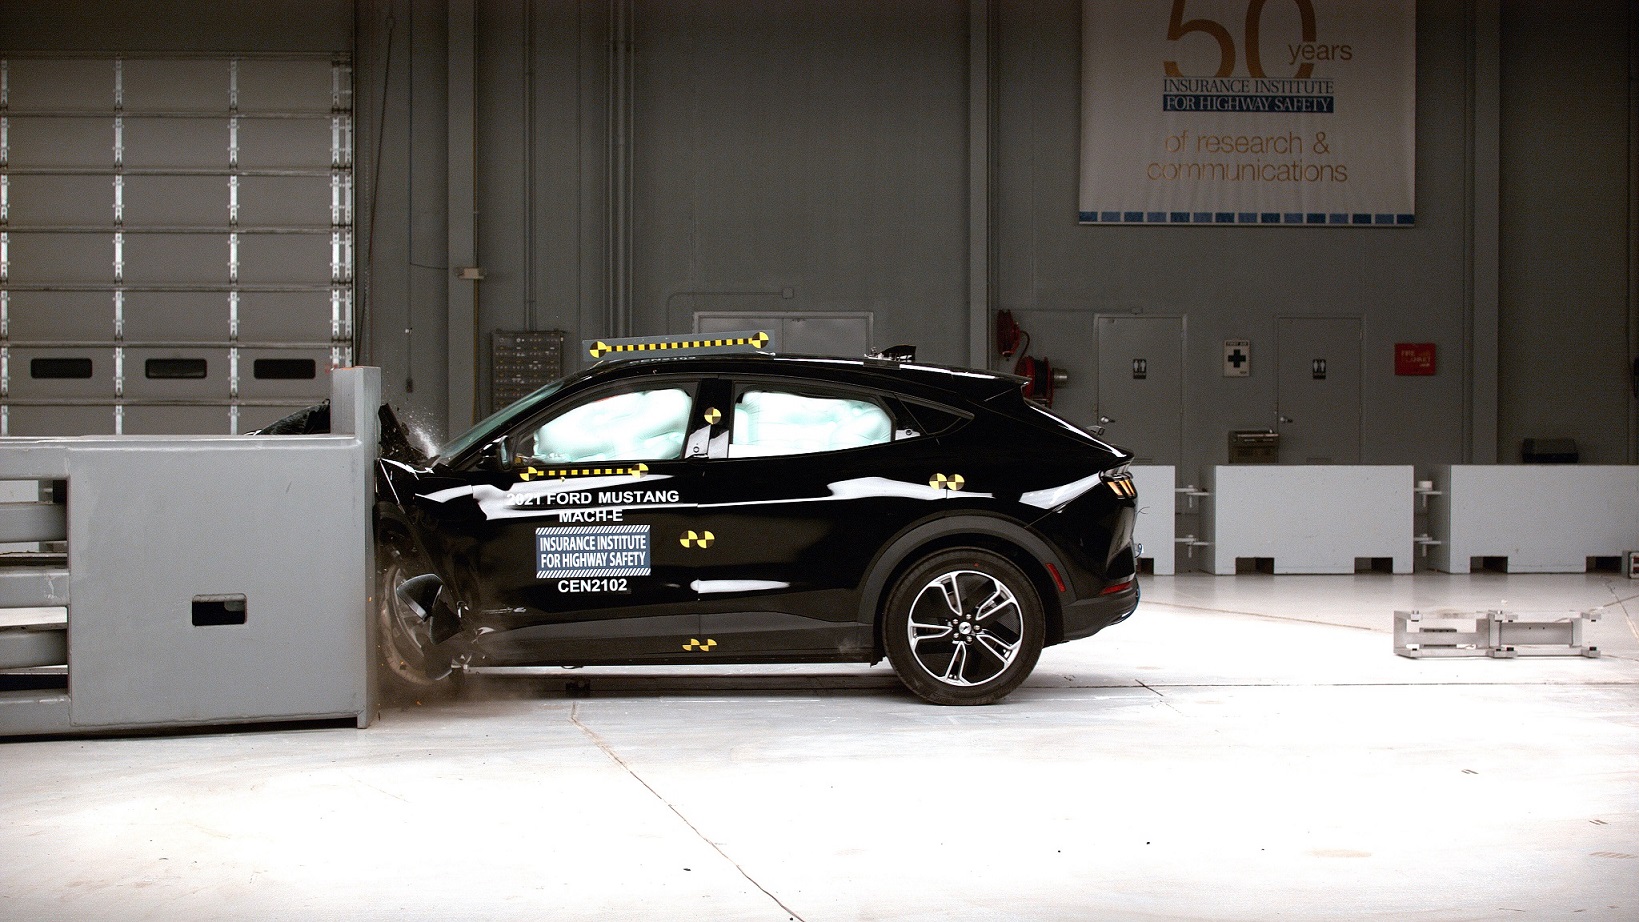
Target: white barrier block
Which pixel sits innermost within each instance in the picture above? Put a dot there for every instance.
(1545, 518)
(1309, 518)
(1157, 507)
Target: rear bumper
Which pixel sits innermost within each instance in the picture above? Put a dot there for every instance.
(1087, 617)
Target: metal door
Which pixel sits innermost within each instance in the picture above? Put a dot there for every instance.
(176, 240)
(798, 528)
(1317, 397)
(1141, 385)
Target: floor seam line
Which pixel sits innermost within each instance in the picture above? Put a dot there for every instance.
(1622, 603)
(574, 718)
(1160, 697)
(1254, 614)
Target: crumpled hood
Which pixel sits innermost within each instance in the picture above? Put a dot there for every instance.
(394, 443)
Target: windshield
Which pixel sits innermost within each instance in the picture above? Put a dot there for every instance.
(490, 423)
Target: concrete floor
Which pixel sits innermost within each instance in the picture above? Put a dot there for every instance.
(1243, 748)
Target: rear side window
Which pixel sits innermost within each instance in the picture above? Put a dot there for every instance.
(769, 421)
(932, 420)
(641, 425)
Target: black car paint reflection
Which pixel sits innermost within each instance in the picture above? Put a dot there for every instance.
(707, 545)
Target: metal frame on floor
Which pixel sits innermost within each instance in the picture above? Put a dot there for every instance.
(1497, 634)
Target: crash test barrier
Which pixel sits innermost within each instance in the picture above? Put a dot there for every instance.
(1293, 518)
(191, 580)
(1533, 518)
(1308, 518)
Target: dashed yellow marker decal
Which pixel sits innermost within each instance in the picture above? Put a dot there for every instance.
(941, 482)
(701, 539)
(600, 348)
(564, 473)
(694, 645)
(713, 415)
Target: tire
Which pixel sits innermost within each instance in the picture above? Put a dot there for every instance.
(409, 668)
(963, 626)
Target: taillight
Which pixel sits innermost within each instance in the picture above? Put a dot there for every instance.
(1114, 588)
(1120, 482)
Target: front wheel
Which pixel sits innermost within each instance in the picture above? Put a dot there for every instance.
(964, 626)
(410, 667)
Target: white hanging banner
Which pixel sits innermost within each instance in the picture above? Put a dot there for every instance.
(1249, 112)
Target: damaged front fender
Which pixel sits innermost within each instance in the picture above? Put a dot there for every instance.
(393, 444)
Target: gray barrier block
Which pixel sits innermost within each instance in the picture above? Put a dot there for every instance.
(210, 579)
(22, 649)
(32, 587)
(29, 522)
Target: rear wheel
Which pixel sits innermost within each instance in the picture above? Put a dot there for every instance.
(410, 667)
(964, 626)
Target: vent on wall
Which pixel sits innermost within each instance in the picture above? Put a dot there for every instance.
(174, 368)
(59, 368)
(285, 369)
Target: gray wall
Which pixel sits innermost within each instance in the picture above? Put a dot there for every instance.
(1567, 313)
(1409, 284)
(400, 101)
(820, 150)
(176, 25)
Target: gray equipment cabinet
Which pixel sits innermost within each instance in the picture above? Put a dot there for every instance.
(208, 580)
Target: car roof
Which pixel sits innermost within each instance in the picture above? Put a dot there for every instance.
(910, 377)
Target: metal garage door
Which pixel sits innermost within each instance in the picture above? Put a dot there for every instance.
(176, 240)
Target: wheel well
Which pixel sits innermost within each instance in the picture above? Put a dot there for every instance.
(391, 531)
(1034, 569)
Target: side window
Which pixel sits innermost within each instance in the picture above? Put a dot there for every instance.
(932, 420)
(774, 422)
(646, 425)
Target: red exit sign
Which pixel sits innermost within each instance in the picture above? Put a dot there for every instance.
(1414, 358)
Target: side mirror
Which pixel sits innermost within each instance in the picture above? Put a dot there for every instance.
(495, 456)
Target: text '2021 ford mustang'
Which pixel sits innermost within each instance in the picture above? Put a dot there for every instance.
(759, 509)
